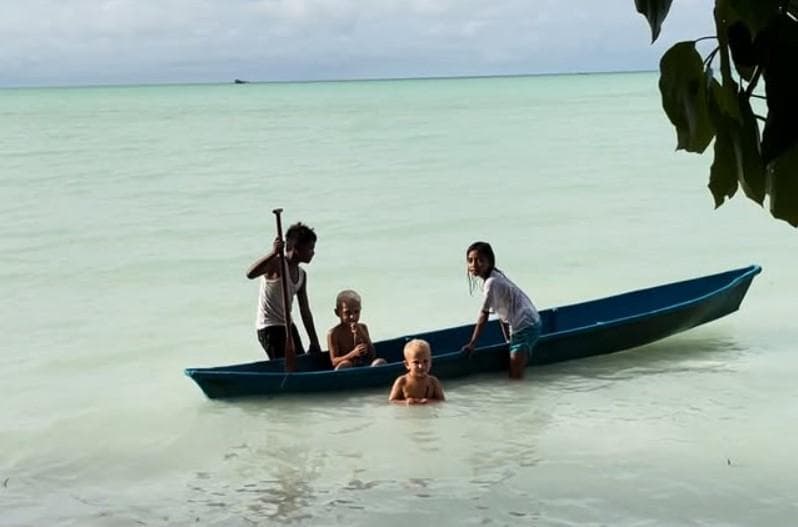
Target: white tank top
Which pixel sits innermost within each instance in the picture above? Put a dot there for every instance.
(270, 300)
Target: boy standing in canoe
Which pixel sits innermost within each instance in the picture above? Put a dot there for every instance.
(300, 245)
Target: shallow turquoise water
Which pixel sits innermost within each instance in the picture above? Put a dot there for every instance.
(128, 217)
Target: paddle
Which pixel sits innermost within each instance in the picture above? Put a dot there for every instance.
(290, 352)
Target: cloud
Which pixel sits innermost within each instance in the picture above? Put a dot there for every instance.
(127, 41)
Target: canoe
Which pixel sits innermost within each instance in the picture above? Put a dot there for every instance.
(595, 327)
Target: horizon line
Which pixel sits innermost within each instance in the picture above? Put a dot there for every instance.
(321, 81)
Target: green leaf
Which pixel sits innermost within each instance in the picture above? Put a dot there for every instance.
(655, 12)
(727, 164)
(741, 45)
(778, 44)
(782, 175)
(737, 157)
(755, 13)
(683, 86)
(752, 178)
(725, 95)
(723, 173)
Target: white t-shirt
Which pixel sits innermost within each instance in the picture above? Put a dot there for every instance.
(270, 300)
(508, 302)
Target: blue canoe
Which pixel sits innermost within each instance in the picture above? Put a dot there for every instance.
(579, 330)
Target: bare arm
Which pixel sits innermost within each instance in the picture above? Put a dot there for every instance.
(336, 357)
(307, 317)
(480, 325)
(332, 347)
(397, 392)
(437, 390)
(268, 264)
(369, 345)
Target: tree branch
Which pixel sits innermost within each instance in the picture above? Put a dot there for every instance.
(754, 80)
(711, 56)
(723, 41)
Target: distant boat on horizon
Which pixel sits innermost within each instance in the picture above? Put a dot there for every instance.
(239, 81)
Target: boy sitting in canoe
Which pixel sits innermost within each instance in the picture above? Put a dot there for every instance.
(349, 342)
(417, 386)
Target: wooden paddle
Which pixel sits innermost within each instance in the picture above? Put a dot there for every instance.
(290, 352)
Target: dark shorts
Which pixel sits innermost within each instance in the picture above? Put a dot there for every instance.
(524, 341)
(272, 338)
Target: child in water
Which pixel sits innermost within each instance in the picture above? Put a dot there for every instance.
(518, 317)
(417, 386)
(349, 342)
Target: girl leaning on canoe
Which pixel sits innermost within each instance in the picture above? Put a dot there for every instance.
(518, 317)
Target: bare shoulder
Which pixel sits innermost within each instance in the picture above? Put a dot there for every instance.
(341, 339)
(335, 331)
(397, 390)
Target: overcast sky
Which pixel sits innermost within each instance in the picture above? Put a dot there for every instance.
(68, 42)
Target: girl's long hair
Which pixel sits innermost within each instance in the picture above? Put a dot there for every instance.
(483, 249)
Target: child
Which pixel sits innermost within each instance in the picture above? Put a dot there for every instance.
(517, 313)
(417, 386)
(349, 342)
(300, 245)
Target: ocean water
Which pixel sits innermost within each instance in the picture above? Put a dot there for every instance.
(129, 215)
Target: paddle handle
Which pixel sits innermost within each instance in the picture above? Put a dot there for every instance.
(290, 352)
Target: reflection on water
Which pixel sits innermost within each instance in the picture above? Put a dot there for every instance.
(280, 491)
(358, 460)
(680, 354)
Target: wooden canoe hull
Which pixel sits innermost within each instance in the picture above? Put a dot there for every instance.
(596, 327)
